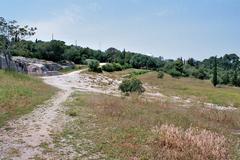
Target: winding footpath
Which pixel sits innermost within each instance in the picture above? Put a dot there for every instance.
(21, 139)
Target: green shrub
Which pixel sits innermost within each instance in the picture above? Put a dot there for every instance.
(111, 67)
(160, 74)
(200, 74)
(134, 74)
(131, 85)
(98, 70)
(174, 73)
(117, 67)
(126, 66)
(93, 65)
(108, 67)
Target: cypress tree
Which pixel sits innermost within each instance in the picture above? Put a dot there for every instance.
(215, 80)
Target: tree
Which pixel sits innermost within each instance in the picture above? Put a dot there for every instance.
(215, 80)
(225, 78)
(235, 79)
(179, 65)
(12, 33)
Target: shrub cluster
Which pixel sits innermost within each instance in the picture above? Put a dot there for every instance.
(111, 67)
(93, 65)
(131, 85)
(160, 75)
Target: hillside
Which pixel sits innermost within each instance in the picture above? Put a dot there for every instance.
(20, 93)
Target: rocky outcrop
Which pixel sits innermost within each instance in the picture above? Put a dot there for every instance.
(33, 66)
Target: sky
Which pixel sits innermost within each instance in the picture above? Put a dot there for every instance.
(167, 28)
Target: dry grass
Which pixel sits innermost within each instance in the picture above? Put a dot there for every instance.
(20, 93)
(122, 128)
(192, 144)
(196, 89)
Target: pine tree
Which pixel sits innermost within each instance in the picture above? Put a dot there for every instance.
(215, 79)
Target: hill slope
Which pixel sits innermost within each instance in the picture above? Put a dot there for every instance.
(19, 94)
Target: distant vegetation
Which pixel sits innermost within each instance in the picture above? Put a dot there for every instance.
(227, 66)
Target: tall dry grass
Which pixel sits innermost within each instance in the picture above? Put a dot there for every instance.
(127, 124)
(174, 143)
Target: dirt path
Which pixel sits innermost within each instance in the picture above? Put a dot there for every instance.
(22, 138)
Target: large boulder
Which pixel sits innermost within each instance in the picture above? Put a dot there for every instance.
(67, 64)
(34, 66)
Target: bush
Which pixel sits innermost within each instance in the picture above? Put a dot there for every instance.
(117, 67)
(174, 73)
(160, 74)
(131, 85)
(98, 70)
(93, 65)
(200, 74)
(126, 66)
(111, 67)
(108, 67)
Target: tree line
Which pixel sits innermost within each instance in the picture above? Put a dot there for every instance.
(222, 70)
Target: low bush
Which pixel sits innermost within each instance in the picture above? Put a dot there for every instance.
(174, 73)
(93, 65)
(117, 67)
(131, 85)
(126, 66)
(160, 74)
(108, 67)
(111, 67)
(200, 74)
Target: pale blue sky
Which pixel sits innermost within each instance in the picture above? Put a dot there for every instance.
(168, 28)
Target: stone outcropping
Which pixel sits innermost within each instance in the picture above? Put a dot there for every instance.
(34, 66)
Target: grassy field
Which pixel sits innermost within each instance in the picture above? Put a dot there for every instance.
(20, 93)
(134, 128)
(201, 90)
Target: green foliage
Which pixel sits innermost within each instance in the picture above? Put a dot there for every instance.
(179, 66)
(131, 85)
(235, 79)
(126, 66)
(111, 67)
(215, 76)
(134, 74)
(160, 74)
(93, 65)
(108, 67)
(225, 78)
(117, 67)
(200, 74)
(174, 73)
